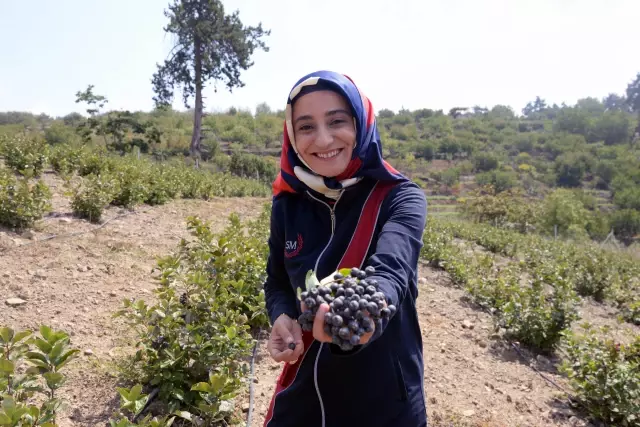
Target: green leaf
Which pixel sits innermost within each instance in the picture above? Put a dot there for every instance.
(6, 334)
(6, 366)
(54, 379)
(216, 382)
(66, 358)
(204, 387)
(20, 336)
(46, 332)
(43, 345)
(55, 352)
(311, 280)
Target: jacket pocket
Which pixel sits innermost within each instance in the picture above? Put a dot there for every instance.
(402, 387)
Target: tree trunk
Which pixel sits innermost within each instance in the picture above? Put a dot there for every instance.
(197, 120)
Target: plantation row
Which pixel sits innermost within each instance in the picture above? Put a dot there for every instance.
(592, 271)
(535, 303)
(97, 180)
(191, 344)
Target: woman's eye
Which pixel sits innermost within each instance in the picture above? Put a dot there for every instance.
(337, 122)
(305, 127)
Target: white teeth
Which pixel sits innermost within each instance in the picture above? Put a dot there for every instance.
(328, 155)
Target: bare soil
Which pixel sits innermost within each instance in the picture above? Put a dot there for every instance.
(77, 282)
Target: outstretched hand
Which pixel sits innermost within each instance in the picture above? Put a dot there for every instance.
(285, 333)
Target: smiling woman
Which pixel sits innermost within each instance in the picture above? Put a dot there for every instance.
(325, 132)
(337, 204)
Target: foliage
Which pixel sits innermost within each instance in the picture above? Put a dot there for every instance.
(66, 159)
(626, 224)
(30, 370)
(535, 314)
(192, 341)
(562, 208)
(133, 401)
(605, 376)
(92, 196)
(26, 156)
(249, 165)
(22, 202)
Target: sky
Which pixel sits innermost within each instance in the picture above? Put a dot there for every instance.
(409, 54)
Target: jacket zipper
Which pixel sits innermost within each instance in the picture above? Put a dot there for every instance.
(315, 269)
(333, 225)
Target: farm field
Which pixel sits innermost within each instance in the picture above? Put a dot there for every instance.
(76, 283)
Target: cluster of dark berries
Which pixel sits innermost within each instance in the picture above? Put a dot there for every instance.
(184, 299)
(356, 305)
(160, 343)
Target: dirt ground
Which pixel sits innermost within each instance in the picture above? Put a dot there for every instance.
(78, 282)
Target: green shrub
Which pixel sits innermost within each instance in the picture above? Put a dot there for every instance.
(164, 184)
(605, 376)
(66, 159)
(537, 316)
(132, 183)
(193, 340)
(27, 156)
(93, 196)
(22, 202)
(45, 355)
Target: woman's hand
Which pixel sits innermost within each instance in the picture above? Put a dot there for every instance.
(318, 325)
(285, 331)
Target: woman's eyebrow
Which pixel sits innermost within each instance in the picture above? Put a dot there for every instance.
(338, 111)
(327, 114)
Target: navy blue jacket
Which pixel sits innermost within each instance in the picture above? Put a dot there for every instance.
(380, 384)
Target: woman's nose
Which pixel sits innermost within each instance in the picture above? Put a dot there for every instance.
(324, 136)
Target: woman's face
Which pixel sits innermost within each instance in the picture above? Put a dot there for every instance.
(324, 131)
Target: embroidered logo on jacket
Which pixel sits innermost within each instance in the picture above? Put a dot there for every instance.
(292, 248)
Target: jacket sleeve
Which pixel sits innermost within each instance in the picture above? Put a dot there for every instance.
(396, 254)
(279, 295)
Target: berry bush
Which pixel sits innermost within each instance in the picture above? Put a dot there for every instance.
(605, 376)
(30, 371)
(22, 201)
(26, 156)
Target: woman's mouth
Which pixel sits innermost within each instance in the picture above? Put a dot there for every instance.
(328, 154)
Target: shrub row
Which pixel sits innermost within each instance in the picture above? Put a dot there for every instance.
(103, 180)
(592, 270)
(536, 304)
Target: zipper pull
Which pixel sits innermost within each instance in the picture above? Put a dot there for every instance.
(333, 221)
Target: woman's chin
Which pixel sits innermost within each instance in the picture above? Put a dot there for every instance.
(328, 171)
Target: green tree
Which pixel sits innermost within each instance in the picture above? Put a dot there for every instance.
(210, 45)
(571, 167)
(633, 98)
(537, 106)
(94, 124)
(484, 162)
(614, 102)
(626, 224)
(573, 120)
(613, 127)
(564, 209)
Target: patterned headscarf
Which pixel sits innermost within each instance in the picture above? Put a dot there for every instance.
(366, 161)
